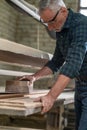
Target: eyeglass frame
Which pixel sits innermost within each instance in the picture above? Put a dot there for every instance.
(52, 20)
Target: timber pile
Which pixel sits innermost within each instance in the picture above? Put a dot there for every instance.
(23, 105)
(19, 106)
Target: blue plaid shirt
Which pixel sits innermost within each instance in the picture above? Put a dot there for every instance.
(70, 56)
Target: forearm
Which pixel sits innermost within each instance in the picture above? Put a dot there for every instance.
(42, 73)
(59, 86)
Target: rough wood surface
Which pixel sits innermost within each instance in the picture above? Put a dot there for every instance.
(16, 128)
(15, 53)
(10, 95)
(14, 47)
(16, 86)
(13, 73)
(20, 59)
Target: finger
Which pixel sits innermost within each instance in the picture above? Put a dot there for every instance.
(44, 110)
(37, 99)
(46, 107)
(30, 82)
(33, 79)
(18, 77)
(21, 78)
(24, 78)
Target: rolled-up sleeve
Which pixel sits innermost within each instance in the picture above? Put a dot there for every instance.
(56, 61)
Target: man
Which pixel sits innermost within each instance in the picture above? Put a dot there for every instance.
(70, 56)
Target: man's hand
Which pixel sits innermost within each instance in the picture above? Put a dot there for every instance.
(29, 78)
(47, 102)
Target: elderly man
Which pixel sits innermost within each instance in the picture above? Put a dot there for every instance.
(70, 56)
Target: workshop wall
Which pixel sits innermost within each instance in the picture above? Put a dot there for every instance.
(72, 4)
(24, 29)
(8, 20)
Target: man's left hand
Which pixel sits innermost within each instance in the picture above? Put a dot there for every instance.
(47, 102)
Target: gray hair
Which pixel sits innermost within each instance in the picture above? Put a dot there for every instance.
(51, 4)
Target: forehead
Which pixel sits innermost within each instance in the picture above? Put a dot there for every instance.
(47, 14)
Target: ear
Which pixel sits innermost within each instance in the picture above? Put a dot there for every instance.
(64, 11)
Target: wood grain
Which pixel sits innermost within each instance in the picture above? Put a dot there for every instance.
(20, 59)
(16, 128)
(16, 86)
(14, 53)
(24, 106)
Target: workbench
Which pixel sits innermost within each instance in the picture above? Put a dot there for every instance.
(25, 106)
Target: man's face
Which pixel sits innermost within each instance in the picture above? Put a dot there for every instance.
(55, 20)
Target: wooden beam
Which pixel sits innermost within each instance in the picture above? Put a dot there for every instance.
(21, 59)
(14, 47)
(16, 86)
(15, 53)
(13, 73)
(16, 128)
(10, 95)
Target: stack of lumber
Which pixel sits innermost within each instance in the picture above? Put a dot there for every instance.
(19, 106)
(24, 105)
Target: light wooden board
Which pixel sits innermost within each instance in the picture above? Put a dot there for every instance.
(17, 54)
(13, 73)
(14, 47)
(16, 128)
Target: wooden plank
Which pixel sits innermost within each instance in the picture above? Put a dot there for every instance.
(13, 73)
(64, 95)
(10, 95)
(16, 86)
(18, 111)
(10, 46)
(15, 128)
(15, 53)
(20, 59)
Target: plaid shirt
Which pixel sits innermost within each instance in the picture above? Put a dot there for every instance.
(70, 56)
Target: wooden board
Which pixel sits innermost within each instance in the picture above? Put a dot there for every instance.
(16, 86)
(18, 54)
(16, 128)
(13, 73)
(4, 95)
(20, 59)
(10, 46)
